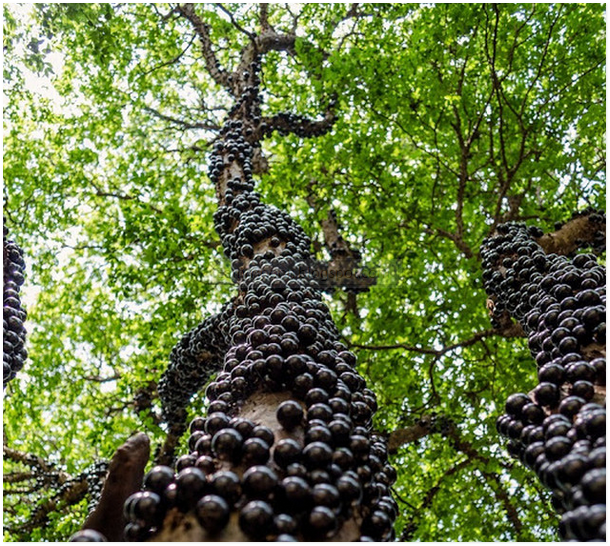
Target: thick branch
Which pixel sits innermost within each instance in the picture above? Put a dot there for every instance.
(34, 461)
(17, 477)
(71, 494)
(194, 359)
(410, 434)
(299, 125)
(125, 476)
(343, 269)
(573, 234)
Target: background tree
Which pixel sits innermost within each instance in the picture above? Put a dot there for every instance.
(450, 120)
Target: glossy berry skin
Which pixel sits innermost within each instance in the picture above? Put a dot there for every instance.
(285, 524)
(289, 414)
(349, 489)
(317, 455)
(256, 519)
(287, 452)
(296, 492)
(594, 485)
(145, 507)
(322, 521)
(560, 303)
(227, 485)
(191, 486)
(158, 478)
(213, 513)
(227, 444)
(255, 452)
(259, 482)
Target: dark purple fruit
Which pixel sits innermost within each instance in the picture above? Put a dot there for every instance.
(256, 519)
(212, 512)
(289, 414)
(259, 482)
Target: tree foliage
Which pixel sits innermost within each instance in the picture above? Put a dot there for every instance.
(451, 118)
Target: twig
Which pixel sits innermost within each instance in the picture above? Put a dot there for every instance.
(439, 352)
(208, 126)
(241, 29)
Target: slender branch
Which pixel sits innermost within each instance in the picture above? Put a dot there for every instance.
(545, 51)
(202, 30)
(241, 29)
(456, 238)
(122, 197)
(414, 518)
(504, 498)
(171, 61)
(100, 379)
(440, 352)
(208, 125)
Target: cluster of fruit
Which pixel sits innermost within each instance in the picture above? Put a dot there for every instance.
(317, 465)
(13, 315)
(559, 429)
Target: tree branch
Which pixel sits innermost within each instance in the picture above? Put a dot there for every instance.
(125, 475)
(263, 16)
(122, 197)
(202, 30)
(573, 234)
(413, 520)
(410, 434)
(72, 493)
(208, 125)
(241, 29)
(440, 352)
(297, 125)
(504, 498)
(456, 238)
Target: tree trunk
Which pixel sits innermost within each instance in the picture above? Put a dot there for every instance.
(287, 451)
(559, 429)
(14, 353)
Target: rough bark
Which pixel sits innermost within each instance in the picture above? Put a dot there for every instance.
(124, 478)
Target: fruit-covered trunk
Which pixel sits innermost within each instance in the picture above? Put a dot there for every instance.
(286, 451)
(559, 428)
